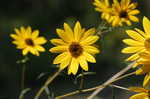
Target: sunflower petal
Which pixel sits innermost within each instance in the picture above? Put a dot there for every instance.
(40, 40)
(137, 89)
(25, 51)
(140, 96)
(64, 35)
(146, 24)
(60, 58)
(57, 42)
(135, 35)
(132, 49)
(132, 42)
(134, 12)
(33, 51)
(66, 61)
(91, 49)
(58, 49)
(77, 31)
(133, 18)
(133, 57)
(28, 30)
(89, 40)
(40, 48)
(140, 32)
(146, 81)
(17, 31)
(83, 63)
(144, 69)
(68, 31)
(89, 57)
(88, 33)
(14, 36)
(73, 68)
(35, 34)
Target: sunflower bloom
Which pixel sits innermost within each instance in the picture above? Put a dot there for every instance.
(123, 12)
(144, 61)
(103, 6)
(142, 93)
(28, 41)
(139, 42)
(75, 47)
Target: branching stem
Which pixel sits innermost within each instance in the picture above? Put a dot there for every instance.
(49, 80)
(102, 86)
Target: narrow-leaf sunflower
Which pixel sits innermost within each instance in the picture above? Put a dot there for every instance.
(103, 6)
(139, 41)
(144, 63)
(28, 41)
(75, 47)
(123, 12)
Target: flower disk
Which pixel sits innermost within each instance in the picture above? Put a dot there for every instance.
(75, 47)
(28, 41)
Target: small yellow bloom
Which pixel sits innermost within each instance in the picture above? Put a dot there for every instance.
(142, 93)
(123, 12)
(139, 42)
(28, 41)
(103, 6)
(144, 60)
(76, 47)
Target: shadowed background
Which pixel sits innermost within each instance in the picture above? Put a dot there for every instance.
(47, 15)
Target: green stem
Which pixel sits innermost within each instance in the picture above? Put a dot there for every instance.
(82, 81)
(23, 77)
(94, 88)
(49, 80)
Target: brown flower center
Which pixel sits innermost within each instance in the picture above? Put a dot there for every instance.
(75, 49)
(29, 42)
(123, 14)
(147, 43)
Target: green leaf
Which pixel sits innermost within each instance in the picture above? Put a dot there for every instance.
(22, 61)
(23, 92)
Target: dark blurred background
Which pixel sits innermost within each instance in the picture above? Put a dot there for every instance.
(47, 15)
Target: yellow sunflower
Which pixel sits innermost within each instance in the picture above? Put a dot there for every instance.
(28, 41)
(144, 61)
(76, 47)
(123, 12)
(139, 42)
(103, 6)
(142, 93)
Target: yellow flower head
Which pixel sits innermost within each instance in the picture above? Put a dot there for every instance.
(123, 12)
(144, 60)
(139, 42)
(76, 47)
(28, 41)
(142, 93)
(103, 7)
